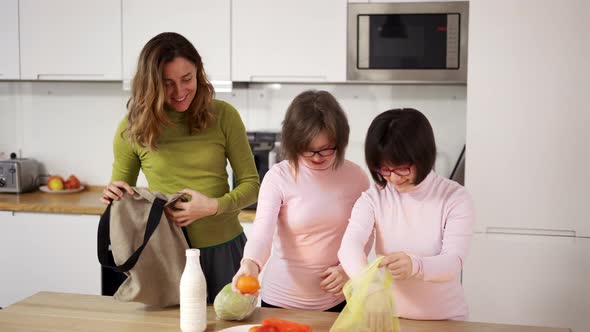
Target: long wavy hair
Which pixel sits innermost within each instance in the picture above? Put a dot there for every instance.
(147, 116)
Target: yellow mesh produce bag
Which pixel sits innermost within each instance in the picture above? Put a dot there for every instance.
(369, 303)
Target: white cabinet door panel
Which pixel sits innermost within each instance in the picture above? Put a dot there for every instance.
(529, 280)
(47, 252)
(70, 40)
(9, 62)
(206, 23)
(527, 136)
(289, 41)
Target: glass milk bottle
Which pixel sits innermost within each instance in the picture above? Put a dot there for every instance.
(193, 295)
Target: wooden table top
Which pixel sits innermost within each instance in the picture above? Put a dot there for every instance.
(85, 202)
(47, 311)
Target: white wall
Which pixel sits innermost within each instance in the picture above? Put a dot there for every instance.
(9, 134)
(69, 126)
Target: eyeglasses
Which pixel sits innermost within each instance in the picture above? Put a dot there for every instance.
(323, 153)
(401, 171)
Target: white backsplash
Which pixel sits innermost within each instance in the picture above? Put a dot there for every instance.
(69, 126)
(9, 137)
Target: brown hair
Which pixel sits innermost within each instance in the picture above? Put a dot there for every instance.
(310, 113)
(147, 116)
(400, 137)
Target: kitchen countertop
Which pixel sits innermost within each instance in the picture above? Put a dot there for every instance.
(84, 202)
(46, 311)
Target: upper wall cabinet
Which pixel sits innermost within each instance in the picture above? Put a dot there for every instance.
(70, 40)
(9, 61)
(206, 23)
(289, 41)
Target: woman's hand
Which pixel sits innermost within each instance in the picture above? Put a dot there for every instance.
(334, 279)
(399, 264)
(248, 268)
(114, 191)
(185, 213)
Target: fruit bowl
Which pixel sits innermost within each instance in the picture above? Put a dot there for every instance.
(57, 185)
(45, 189)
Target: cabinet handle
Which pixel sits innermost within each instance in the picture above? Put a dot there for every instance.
(67, 76)
(531, 231)
(289, 78)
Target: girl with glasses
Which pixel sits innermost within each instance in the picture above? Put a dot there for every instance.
(422, 222)
(303, 209)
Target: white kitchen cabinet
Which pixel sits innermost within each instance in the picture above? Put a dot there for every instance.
(206, 23)
(527, 136)
(529, 280)
(289, 41)
(526, 166)
(9, 62)
(70, 40)
(47, 252)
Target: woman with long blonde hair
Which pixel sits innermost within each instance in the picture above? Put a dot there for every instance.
(181, 138)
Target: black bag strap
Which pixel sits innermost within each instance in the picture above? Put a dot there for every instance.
(105, 256)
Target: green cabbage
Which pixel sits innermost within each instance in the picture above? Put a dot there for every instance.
(232, 306)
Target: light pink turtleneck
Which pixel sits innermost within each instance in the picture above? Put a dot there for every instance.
(433, 224)
(303, 219)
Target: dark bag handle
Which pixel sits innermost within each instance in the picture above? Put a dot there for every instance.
(105, 256)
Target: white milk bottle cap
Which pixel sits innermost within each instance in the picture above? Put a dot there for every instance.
(193, 252)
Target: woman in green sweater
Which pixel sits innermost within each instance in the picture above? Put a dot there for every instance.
(181, 138)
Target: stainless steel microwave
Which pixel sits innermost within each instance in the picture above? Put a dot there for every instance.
(408, 42)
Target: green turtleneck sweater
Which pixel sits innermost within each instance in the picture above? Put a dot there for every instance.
(196, 162)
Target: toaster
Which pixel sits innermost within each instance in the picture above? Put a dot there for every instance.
(18, 175)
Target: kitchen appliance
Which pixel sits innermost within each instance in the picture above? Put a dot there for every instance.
(458, 173)
(265, 146)
(410, 42)
(18, 175)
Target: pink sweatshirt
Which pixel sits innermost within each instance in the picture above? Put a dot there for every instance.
(433, 224)
(303, 220)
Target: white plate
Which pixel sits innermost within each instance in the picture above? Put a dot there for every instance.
(241, 328)
(45, 189)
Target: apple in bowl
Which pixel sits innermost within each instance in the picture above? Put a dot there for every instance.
(72, 182)
(55, 182)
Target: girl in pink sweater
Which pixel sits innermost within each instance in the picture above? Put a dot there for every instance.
(303, 209)
(422, 222)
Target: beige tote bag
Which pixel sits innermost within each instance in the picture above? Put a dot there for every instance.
(145, 246)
